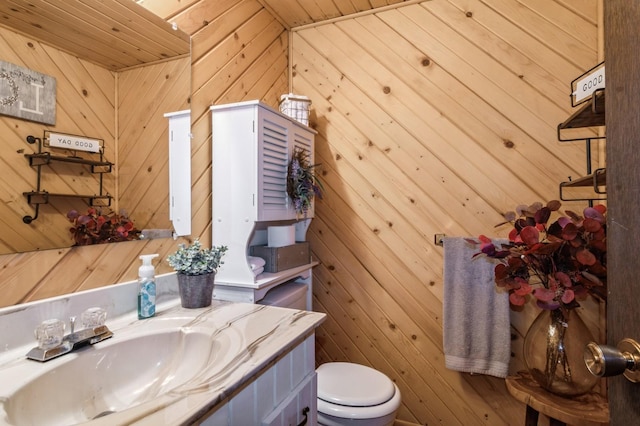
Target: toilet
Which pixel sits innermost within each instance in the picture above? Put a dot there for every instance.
(355, 395)
(348, 394)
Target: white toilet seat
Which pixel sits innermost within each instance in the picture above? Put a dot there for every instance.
(354, 391)
(370, 412)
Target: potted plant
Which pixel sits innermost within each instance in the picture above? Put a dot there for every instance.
(94, 227)
(196, 268)
(557, 265)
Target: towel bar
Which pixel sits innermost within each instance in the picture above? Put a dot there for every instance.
(438, 239)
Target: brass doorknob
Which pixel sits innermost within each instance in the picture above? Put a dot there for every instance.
(606, 361)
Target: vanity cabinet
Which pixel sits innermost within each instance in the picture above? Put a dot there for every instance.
(252, 147)
(281, 395)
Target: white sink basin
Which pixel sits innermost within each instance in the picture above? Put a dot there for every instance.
(114, 375)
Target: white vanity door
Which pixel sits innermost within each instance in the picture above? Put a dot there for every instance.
(301, 404)
(281, 395)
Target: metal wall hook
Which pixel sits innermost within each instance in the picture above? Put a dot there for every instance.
(28, 219)
(607, 361)
(32, 139)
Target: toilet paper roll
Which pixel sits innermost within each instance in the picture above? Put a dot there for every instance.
(280, 236)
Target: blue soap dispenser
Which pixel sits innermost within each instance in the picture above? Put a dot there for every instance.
(146, 287)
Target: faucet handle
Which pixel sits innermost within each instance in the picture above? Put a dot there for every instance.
(49, 333)
(93, 317)
(72, 324)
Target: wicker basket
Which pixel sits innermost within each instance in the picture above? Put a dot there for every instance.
(296, 107)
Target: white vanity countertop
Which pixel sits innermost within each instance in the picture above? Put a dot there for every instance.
(249, 338)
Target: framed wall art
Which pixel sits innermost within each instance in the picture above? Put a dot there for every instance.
(27, 94)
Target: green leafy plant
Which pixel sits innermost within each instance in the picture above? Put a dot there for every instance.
(559, 263)
(94, 227)
(195, 260)
(302, 183)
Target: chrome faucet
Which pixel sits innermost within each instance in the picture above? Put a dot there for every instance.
(71, 342)
(72, 324)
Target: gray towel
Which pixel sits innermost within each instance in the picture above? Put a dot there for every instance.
(476, 314)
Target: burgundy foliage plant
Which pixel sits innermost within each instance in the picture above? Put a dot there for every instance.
(94, 227)
(557, 263)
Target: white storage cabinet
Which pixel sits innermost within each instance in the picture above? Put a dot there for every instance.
(180, 171)
(252, 147)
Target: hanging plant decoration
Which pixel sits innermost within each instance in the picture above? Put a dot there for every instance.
(302, 183)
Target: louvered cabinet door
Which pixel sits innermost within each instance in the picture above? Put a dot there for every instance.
(278, 138)
(274, 134)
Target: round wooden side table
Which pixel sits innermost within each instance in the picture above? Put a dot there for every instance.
(588, 409)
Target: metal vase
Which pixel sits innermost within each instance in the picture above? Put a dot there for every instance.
(195, 290)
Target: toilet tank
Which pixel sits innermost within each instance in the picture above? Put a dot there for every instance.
(289, 295)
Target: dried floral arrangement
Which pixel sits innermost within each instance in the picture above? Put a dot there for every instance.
(302, 183)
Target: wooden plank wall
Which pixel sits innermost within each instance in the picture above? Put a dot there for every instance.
(145, 95)
(85, 106)
(432, 118)
(239, 53)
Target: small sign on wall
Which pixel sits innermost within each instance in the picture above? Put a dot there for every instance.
(79, 143)
(27, 94)
(584, 86)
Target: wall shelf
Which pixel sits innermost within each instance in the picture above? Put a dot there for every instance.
(591, 114)
(42, 197)
(45, 158)
(254, 292)
(597, 180)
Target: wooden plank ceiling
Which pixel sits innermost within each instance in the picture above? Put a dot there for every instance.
(118, 42)
(114, 35)
(295, 13)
